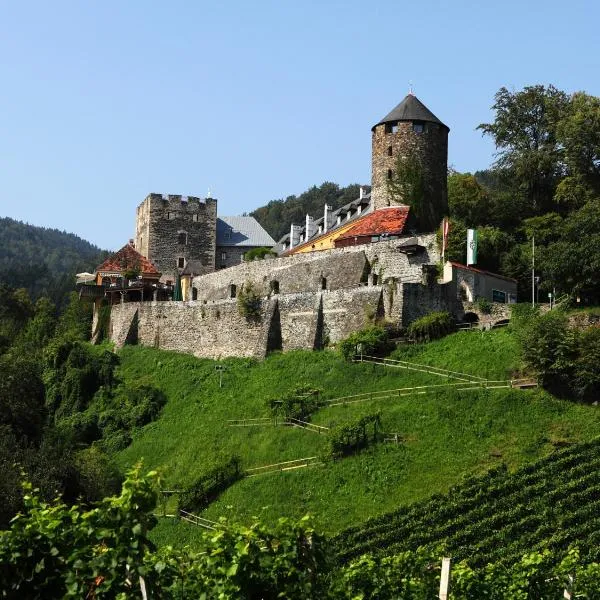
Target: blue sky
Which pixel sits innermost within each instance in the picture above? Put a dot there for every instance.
(105, 102)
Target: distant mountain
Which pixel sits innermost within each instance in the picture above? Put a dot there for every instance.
(42, 260)
(277, 216)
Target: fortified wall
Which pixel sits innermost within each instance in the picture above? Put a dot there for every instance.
(307, 301)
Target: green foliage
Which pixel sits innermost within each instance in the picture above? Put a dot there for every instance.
(101, 332)
(43, 260)
(208, 487)
(525, 133)
(370, 341)
(73, 373)
(277, 215)
(22, 406)
(75, 322)
(468, 201)
(53, 551)
(299, 403)
(497, 517)
(447, 435)
(484, 305)
(258, 253)
(350, 437)
(409, 185)
(249, 301)
(433, 326)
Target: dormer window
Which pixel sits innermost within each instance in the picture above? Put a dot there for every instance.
(418, 126)
(339, 219)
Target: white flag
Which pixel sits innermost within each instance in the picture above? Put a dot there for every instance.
(471, 246)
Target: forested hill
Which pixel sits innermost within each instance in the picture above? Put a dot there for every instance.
(42, 260)
(277, 216)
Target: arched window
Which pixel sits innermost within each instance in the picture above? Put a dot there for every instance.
(232, 290)
(275, 287)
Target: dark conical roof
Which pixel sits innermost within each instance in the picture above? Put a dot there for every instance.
(411, 109)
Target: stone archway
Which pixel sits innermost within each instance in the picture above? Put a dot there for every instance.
(465, 293)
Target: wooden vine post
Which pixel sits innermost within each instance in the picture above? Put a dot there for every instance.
(445, 579)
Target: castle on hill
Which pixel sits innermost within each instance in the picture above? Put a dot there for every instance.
(375, 258)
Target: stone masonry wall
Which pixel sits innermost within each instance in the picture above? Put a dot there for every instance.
(431, 146)
(159, 223)
(338, 268)
(308, 320)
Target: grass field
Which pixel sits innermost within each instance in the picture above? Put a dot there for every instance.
(447, 434)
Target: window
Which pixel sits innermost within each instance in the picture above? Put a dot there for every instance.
(223, 256)
(182, 238)
(194, 293)
(391, 127)
(323, 283)
(195, 217)
(275, 287)
(171, 215)
(498, 296)
(389, 174)
(232, 290)
(418, 126)
(389, 151)
(180, 262)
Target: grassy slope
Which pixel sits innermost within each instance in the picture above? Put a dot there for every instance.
(449, 435)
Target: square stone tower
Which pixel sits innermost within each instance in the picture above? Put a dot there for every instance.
(172, 230)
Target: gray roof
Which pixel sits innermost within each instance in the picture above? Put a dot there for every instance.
(410, 109)
(242, 231)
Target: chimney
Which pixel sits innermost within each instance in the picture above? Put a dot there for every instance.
(295, 231)
(131, 243)
(361, 193)
(327, 218)
(310, 228)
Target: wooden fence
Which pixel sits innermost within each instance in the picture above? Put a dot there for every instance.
(288, 465)
(410, 366)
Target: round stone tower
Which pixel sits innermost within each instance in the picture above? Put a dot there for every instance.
(411, 128)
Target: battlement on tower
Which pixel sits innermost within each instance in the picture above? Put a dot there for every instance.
(172, 229)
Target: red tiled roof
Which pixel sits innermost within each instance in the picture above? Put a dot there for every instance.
(128, 257)
(470, 268)
(389, 220)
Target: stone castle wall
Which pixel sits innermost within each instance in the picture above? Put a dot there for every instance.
(160, 221)
(308, 320)
(320, 299)
(335, 269)
(432, 148)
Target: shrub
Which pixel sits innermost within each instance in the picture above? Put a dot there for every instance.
(300, 403)
(431, 327)
(258, 253)
(522, 314)
(374, 341)
(208, 487)
(350, 437)
(484, 305)
(248, 301)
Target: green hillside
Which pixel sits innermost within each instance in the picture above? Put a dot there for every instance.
(43, 260)
(552, 503)
(447, 434)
